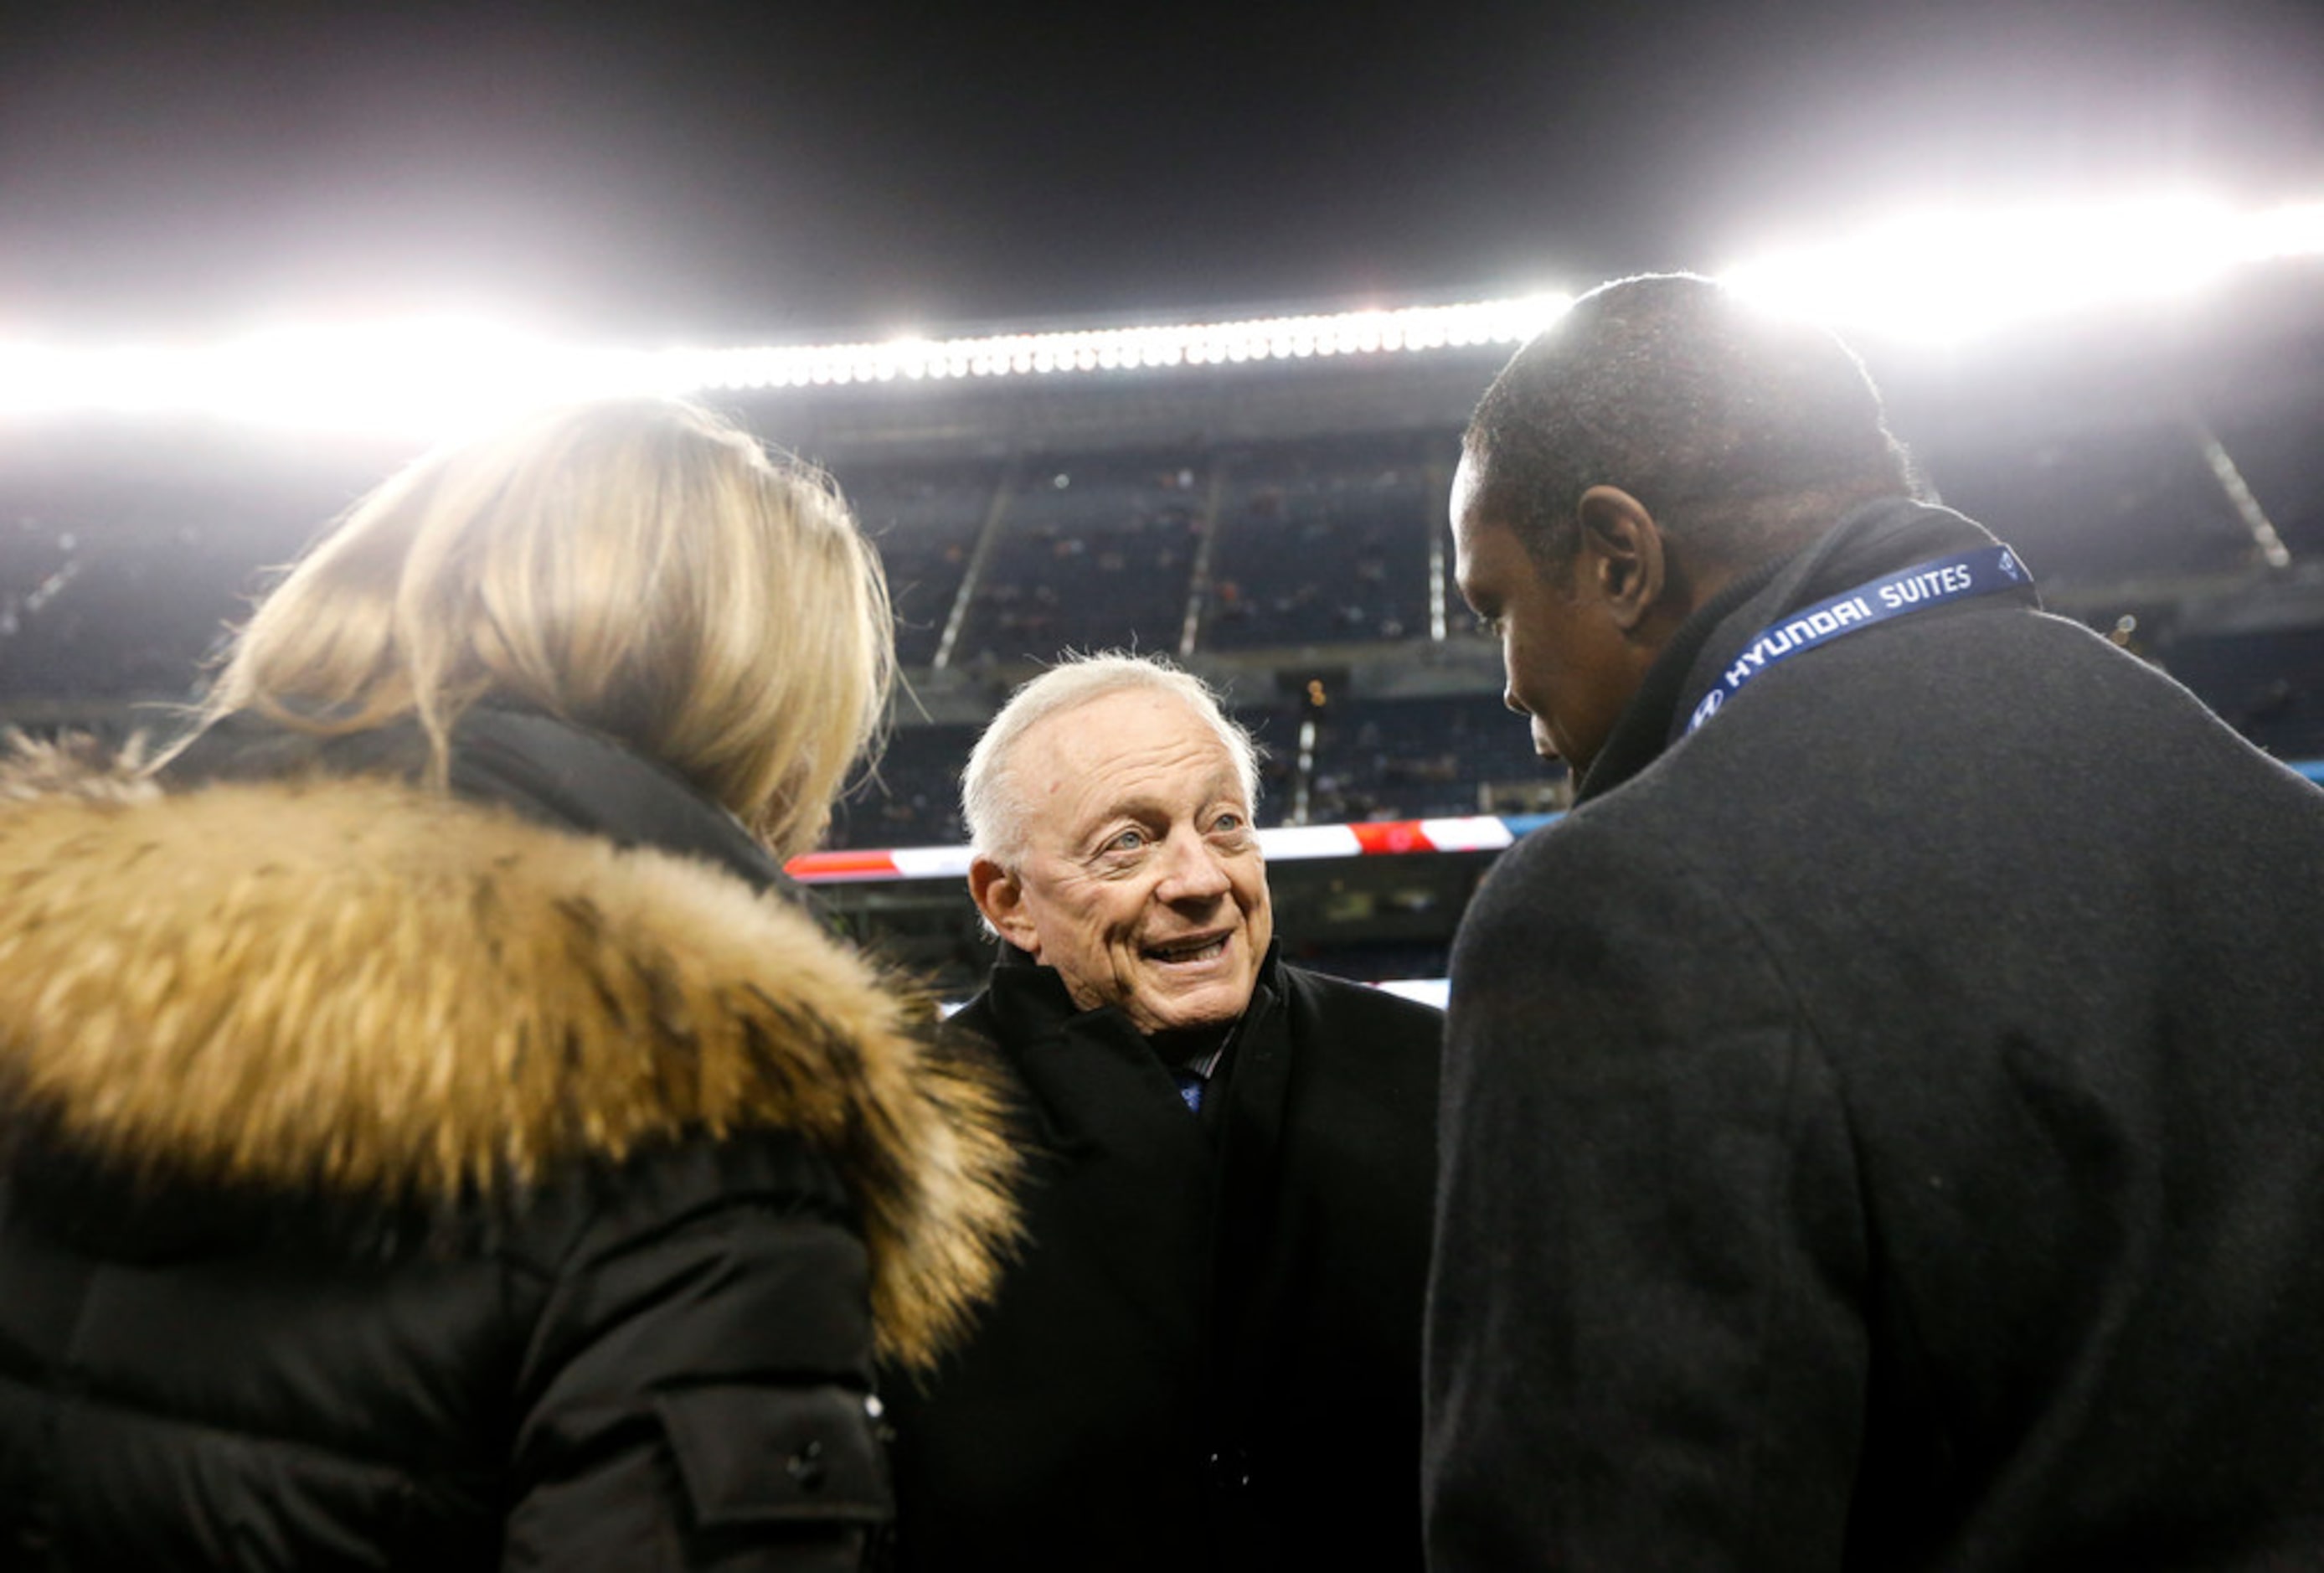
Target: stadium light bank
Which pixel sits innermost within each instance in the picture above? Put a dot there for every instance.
(1925, 277)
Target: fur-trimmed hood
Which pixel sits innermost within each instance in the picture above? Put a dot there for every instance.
(357, 988)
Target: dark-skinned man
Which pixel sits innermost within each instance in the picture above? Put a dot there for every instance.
(1885, 1121)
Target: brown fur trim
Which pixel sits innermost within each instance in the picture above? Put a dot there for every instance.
(362, 989)
(75, 765)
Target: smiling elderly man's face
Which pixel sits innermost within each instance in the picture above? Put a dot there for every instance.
(1141, 881)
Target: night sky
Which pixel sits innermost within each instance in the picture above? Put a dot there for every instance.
(792, 170)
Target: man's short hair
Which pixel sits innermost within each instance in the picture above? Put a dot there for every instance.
(1741, 432)
(989, 799)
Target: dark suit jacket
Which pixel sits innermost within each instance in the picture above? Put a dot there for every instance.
(1208, 1355)
(1886, 1129)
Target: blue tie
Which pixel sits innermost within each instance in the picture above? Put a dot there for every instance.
(1190, 1087)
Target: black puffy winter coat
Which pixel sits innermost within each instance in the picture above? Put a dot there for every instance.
(506, 1179)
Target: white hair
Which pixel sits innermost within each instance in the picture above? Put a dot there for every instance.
(989, 800)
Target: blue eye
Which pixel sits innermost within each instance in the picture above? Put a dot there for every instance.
(1127, 841)
(1229, 820)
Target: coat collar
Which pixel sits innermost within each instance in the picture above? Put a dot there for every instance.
(1028, 999)
(1877, 538)
(550, 770)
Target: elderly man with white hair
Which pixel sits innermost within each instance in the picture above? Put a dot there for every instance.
(1207, 1353)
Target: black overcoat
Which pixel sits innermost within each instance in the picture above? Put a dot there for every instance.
(1884, 1129)
(1208, 1353)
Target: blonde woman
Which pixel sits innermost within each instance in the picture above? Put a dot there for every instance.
(431, 1138)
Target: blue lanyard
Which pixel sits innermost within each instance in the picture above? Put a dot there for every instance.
(1917, 588)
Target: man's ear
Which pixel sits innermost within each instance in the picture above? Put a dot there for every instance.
(1001, 899)
(1623, 554)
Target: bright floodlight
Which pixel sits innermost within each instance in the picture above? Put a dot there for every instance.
(421, 377)
(1933, 277)
(433, 377)
(1939, 277)
(1423, 328)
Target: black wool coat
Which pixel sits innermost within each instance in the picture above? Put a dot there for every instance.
(1207, 1353)
(1884, 1129)
(388, 1180)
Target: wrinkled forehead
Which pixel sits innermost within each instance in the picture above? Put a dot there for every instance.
(1133, 751)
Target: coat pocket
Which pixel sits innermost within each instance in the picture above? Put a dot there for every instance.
(778, 1455)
